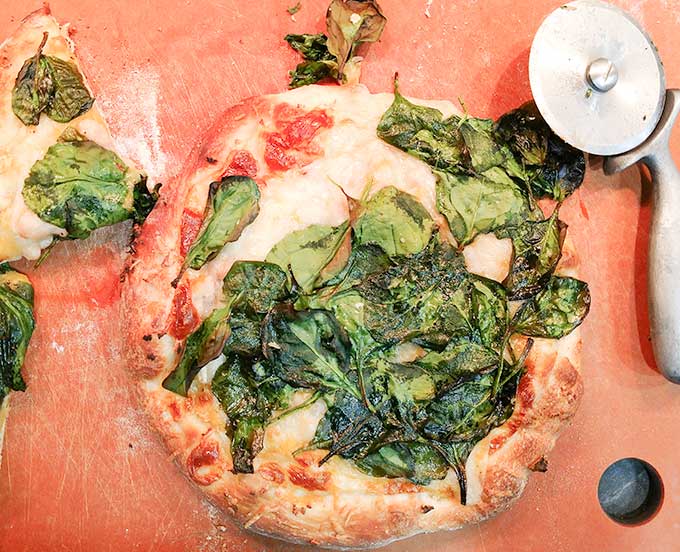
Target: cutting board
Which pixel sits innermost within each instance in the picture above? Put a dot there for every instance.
(81, 470)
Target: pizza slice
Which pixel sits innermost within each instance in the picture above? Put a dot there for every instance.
(351, 321)
(60, 177)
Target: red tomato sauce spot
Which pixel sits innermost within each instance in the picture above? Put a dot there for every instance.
(242, 164)
(310, 481)
(184, 318)
(191, 225)
(295, 135)
(272, 472)
(204, 463)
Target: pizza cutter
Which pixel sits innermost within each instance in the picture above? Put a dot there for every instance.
(598, 81)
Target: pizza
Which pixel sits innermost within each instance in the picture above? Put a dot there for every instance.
(354, 317)
(60, 177)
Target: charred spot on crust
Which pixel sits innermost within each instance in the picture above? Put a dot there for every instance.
(147, 337)
(211, 160)
(151, 356)
(540, 466)
(425, 508)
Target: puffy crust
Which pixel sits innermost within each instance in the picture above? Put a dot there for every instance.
(293, 498)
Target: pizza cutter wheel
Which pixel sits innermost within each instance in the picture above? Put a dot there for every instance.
(598, 81)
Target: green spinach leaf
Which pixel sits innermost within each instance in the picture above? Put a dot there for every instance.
(416, 461)
(312, 47)
(16, 327)
(476, 204)
(395, 221)
(555, 311)
(308, 252)
(424, 133)
(232, 205)
(50, 85)
(80, 186)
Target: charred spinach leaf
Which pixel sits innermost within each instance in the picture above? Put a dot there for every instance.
(553, 168)
(308, 252)
(423, 133)
(348, 429)
(308, 348)
(232, 205)
(50, 85)
(16, 327)
(350, 23)
(414, 299)
(248, 394)
(80, 186)
(555, 311)
(395, 221)
(537, 248)
(477, 204)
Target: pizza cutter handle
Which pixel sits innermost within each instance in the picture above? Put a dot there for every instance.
(664, 237)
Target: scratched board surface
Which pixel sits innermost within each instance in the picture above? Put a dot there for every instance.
(81, 471)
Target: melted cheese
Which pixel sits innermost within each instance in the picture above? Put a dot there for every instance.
(22, 233)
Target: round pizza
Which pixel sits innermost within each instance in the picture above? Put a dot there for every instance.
(353, 317)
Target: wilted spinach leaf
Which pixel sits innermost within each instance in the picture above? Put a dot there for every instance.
(232, 205)
(254, 287)
(555, 311)
(307, 348)
(537, 248)
(350, 23)
(417, 461)
(250, 288)
(80, 186)
(50, 85)
(16, 327)
(423, 133)
(395, 221)
(460, 358)
(485, 150)
(312, 47)
(319, 63)
(201, 347)
(308, 252)
(348, 429)
(477, 204)
(553, 168)
(248, 395)
(413, 300)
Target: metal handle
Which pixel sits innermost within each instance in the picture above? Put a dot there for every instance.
(664, 237)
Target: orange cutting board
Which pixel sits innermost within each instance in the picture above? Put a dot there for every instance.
(81, 470)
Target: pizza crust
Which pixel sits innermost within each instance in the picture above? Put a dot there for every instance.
(293, 498)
